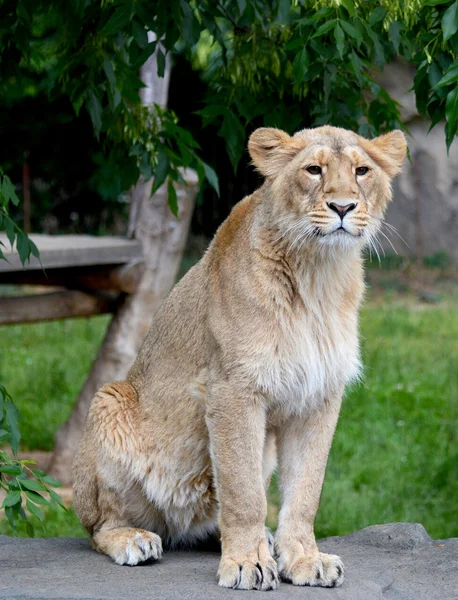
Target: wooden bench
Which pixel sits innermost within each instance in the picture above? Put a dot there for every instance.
(93, 271)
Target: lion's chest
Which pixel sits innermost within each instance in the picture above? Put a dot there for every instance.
(309, 358)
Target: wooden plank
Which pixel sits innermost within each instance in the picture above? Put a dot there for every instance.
(58, 305)
(61, 251)
(119, 278)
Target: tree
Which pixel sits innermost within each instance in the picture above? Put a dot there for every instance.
(283, 63)
(258, 55)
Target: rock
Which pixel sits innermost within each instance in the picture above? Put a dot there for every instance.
(425, 197)
(394, 536)
(425, 206)
(389, 562)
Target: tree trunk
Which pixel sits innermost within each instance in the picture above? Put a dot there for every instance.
(163, 239)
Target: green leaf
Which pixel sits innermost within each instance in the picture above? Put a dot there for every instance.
(212, 177)
(37, 498)
(300, 66)
(38, 472)
(29, 529)
(325, 28)
(242, 6)
(13, 470)
(22, 246)
(140, 34)
(378, 48)
(190, 29)
(9, 191)
(160, 63)
(450, 132)
(51, 481)
(172, 197)
(8, 225)
(340, 39)
(294, 44)
(434, 74)
(118, 20)
(234, 135)
(34, 250)
(34, 510)
(357, 67)
(450, 76)
(377, 15)
(11, 499)
(434, 2)
(57, 499)
(33, 485)
(451, 106)
(395, 34)
(146, 168)
(94, 109)
(352, 31)
(109, 71)
(284, 8)
(350, 6)
(145, 53)
(12, 514)
(161, 171)
(450, 21)
(321, 14)
(11, 422)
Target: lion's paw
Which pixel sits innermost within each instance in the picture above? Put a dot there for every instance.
(323, 570)
(137, 547)
(247, 575)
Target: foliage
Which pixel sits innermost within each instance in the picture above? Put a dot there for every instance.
(322, 58)
(273, 62)
(24, 246)
(18, 478)
(91, 52)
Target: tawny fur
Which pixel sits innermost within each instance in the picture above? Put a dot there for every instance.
(248, 356)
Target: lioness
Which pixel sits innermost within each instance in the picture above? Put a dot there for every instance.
(247, 357)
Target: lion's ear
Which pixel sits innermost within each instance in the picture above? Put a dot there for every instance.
(388, 151)
(271, 149)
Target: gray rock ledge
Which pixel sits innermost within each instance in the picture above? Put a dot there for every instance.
(389, 562)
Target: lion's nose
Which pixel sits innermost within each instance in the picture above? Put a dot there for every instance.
(342, 209)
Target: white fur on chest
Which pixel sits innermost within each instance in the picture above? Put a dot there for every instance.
(309, 358)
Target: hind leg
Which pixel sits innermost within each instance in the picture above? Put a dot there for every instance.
(115, 534)
(127, 545)
(109, 504)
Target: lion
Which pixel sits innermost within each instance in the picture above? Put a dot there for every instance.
(246, 362)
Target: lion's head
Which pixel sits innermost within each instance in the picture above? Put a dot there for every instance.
(327, 186)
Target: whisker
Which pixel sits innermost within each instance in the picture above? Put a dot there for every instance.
(389, 241)
(394, 230)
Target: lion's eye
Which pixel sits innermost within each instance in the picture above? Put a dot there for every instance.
(314, 170)
(361, 170)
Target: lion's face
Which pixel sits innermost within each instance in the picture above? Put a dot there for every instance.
(328, 185)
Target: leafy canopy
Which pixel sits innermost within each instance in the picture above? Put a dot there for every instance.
(273, 62)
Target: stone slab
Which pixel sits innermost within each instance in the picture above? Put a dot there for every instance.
(384, 562)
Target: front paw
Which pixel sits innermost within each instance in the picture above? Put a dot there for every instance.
(248, 575)
(318, 569)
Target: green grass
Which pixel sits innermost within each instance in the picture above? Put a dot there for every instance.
(395, 453)
(43, 367)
